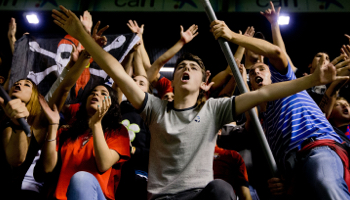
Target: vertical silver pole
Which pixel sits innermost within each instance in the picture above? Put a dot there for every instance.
(257, 130)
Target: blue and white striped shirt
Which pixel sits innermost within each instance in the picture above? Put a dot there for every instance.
(291, 120)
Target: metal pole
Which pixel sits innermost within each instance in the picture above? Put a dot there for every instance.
(258, 131)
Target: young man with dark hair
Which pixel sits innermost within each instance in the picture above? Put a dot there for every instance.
(294, 124)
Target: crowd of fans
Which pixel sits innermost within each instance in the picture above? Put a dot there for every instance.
(188, 140)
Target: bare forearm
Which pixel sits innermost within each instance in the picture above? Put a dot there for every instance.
(60, 94)
(277, 37)
(12, 40)
(238, 55)
(244, 193)
(329, 98)
(114, 69)
(278, 41)
(48, 152)
(17, 148)
(139, 70)
(258, 46)
(145, 58)
(229, 88)
(273, 92)
(155, 68)
(220, 79)
(103, 155)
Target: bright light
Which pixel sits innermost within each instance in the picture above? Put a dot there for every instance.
(32, 19)
(283, 20)
(167, 69)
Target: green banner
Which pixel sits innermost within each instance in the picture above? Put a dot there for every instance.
(178, 5)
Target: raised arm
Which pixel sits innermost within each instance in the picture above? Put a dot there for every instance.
(81, 59)
(11, 34)
(139, 69)
(186, 37)
(329, 98)
(104, 156)
(226, 75)
(276, 56)
(71, 24)
(272, 16)
(48, 157)
(321, 76)
(135, 28)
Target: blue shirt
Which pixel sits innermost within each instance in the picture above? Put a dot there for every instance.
(291, 120)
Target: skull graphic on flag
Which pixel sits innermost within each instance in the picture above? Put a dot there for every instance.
(42, 59)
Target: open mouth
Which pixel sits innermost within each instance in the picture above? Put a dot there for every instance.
(17, 88)
(259, 80)
(345, 111)
(185, 77)
(94, 100)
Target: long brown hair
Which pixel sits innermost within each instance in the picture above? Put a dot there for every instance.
(33, 104)
(188, 56)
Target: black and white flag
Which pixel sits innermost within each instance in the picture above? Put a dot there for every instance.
(43, 60)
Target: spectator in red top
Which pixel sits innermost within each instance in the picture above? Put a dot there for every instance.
(92, 150)
(229, 166)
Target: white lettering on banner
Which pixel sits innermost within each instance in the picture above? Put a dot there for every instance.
(181, 5)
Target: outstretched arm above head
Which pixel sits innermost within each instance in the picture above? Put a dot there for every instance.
(226, 75)
(135, 28)
(186, 37)
(276, 56)
(272, 16)
(71, 24)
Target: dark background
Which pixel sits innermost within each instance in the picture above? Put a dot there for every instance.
(306, 34)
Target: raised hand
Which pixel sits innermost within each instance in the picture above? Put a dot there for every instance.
(326, 74)
(345, 51)
(101, 111)
(206, 87)
(52, 115)
(69, 22)
(189, 34)
(75, 52)
(249, 32)
(12, 28)
(97, 35)
(134, 27)
(271, 14)
(86, 20)
(220, 29)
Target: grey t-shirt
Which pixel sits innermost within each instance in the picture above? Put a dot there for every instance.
(182, 143)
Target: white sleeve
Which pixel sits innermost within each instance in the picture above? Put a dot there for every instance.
(55, 85)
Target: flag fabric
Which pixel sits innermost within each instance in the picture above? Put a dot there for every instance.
(42, 59)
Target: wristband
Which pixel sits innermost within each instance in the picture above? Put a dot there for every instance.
(50, 140)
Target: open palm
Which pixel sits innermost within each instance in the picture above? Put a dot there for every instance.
(189, 34)
(52, 115)
(69, 22)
